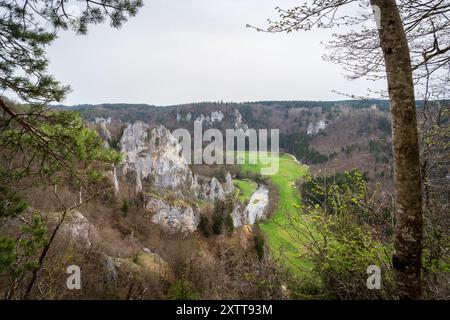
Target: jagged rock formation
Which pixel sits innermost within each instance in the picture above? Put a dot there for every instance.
(213, 190)
(229, 186)
(237, 215)
(255, 210)
(316, 127)
(110, 269)
(217, 116)
(156, 155)
(102, 120)
(174, 216)
(239, 123)
(134, 148)
(115, 181)
(103, 130)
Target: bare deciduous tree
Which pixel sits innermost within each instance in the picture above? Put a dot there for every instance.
(411, 48)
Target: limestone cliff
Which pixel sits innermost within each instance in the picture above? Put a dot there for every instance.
(153, 158)
(155, 155)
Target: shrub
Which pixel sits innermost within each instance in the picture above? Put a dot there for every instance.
(218, 222)
(341, 242)
(125, 207)
(181, 290)
(221, 210)
(229, 223)
(259, 245)
(341, 253)
(204, 226)
(340, 193)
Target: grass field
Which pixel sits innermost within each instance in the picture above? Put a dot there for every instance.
(280, 229)
(246, 189)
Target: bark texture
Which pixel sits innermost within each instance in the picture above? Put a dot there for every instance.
(407, 176)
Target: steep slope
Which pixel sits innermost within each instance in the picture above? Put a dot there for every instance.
(155, 170)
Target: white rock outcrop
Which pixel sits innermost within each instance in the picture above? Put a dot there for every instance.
(213, 190)
(315, 128)
(78, 228)
(255, 211)
(203, 118)
(217, 116)
(102, 120)
(229, 186)
(256, 208)
(239, 123)
(236, 215)
(134, 148)
(174, 217)
(103, 130)
(110, 269)
(115, 181)
(155, 154)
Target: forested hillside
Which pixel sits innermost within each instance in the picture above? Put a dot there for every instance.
(338, 135)
(256, 200)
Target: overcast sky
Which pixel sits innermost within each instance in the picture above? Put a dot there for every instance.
(180, 51)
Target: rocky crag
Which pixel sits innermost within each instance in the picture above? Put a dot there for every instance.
(153, 165)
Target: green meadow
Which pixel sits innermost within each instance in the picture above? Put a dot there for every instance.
(286, 230)
(246, 188)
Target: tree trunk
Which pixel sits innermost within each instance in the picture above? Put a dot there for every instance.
(408, 195)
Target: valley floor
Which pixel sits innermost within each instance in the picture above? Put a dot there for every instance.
(287, 228)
